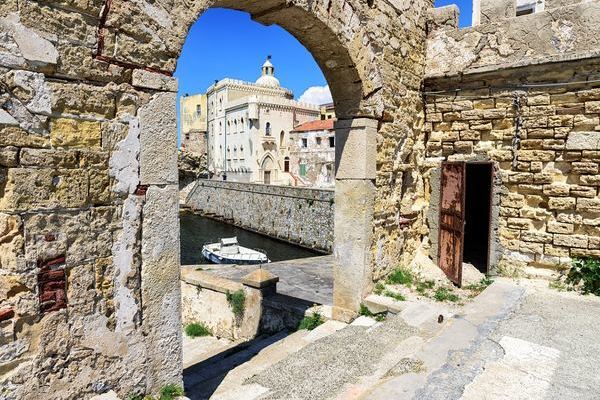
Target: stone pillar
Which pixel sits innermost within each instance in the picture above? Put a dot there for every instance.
(261, 280)
(353, 215)
(161, 290)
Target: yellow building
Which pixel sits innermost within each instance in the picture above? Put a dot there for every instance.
(327, 111)
(193, 112)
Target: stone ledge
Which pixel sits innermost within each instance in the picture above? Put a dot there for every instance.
(209, 281)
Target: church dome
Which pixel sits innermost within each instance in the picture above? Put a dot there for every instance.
(268, 75)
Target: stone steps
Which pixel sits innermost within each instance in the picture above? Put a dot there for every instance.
(232, 384)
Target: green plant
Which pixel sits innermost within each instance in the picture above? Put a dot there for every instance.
(199, 269)
(197, 329)
(311, 322)
(171, 391)
(237, 302)
(585, 271)
(364, 310)
(379, 288)
(423, 286)
(380, 317)
(395, 296)
(401, 276)
(559, 285)
(480, 286)
(135, 397)
(445, 294)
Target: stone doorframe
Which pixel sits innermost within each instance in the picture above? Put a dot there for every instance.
(433, 214)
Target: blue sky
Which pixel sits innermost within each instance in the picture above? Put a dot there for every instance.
(228, 44)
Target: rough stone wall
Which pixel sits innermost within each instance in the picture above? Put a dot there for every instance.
(549, 207)
(89, 262)
(534, 78)
(297, 215)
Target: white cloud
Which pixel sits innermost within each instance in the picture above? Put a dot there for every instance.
(316, 95)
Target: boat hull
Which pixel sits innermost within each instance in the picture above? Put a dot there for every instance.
(216, 259)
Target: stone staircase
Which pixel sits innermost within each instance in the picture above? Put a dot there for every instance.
(335, 360)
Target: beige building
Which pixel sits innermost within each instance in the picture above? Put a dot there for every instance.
(192, 112)
(312, 153)
(249, 127)
(327, 111)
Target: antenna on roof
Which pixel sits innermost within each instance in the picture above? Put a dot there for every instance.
(269, 57)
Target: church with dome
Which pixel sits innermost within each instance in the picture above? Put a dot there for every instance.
(248, 129)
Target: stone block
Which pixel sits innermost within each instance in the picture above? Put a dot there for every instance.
(584, 167)
(353, 230)
(158, 140)
(152, 80)
(9, 156)
(161, 290)
(538, 237)
(580, 241)
(356, 148)
(82, 99)
(583, 141)
(66, 132)
(33, 188)
(592, 107)
(49, 158)
(27, 45)
(561, 203)
(588, 205)
(560, 227)
(443, 18)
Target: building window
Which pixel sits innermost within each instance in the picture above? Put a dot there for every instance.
(304, 142)
(526, 7)
(187, 136)
(318, 141)
(198, 109)
(268, 129)
(332, 141)
(302, 169)
(286, 164)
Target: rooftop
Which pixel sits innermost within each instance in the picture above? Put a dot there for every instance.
(316, 125)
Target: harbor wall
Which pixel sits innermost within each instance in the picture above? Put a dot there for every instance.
(297, 215)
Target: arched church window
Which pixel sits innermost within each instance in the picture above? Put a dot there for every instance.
(286, 164)
(268, 129)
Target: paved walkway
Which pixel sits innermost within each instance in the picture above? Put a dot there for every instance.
(309, 279)
(517, 340)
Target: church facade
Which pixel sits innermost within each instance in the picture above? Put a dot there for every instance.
(249, 126)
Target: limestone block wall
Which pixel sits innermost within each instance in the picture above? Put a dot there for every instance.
(548, 184)
(521, 92)
(297, 215)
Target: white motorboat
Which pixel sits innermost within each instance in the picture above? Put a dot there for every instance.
(228, 251)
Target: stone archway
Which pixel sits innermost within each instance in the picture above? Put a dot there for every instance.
(89, 174)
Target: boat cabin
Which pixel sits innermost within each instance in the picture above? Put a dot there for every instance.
(229, 246)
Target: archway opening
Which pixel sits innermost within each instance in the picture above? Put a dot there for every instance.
(243, 112)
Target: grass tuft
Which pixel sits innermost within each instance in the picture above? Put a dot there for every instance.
(237, 302)
(401, 276)
(445, 294)
(197, 329)
(311, 322)
(171, 391)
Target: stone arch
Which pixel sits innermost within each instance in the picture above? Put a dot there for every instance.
(330, 30)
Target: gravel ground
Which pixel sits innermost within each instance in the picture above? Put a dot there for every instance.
(321, 369)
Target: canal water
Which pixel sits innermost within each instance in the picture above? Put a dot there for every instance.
(197, 230)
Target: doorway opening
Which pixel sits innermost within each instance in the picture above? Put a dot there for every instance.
(478, 203)
(465, 216)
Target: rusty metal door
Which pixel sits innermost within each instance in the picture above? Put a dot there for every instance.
(452, 220)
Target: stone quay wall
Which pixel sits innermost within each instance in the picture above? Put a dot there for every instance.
(523, 93)
(297, 215)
